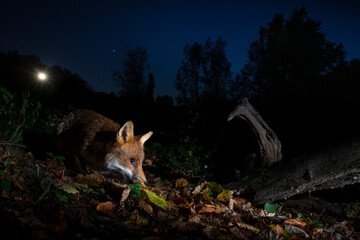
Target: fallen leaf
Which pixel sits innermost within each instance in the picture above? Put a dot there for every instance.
(153, 198)
(179, 200)
(202, 198)
(92, 180)
(125, 194)
(206, 208)
(107, 207)
(295, 222)
(195, 218)
(181, 182)
(224, 196)
(248, 227)
(68, 188)
(296, 230)
(146, 207)
(139, 220)
(271, 208)
(213, 189)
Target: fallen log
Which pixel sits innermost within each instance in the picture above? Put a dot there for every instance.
(332, 168)
(269, 143)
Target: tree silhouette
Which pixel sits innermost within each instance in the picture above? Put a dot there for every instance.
(216, 68)
(204, 72)
(188, 75)
(131, 80)
(289, 62)
(149, 89)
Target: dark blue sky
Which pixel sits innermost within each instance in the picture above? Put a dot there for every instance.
(88, 37)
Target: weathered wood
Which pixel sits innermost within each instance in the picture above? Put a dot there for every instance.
(269, 143)
(332, 168)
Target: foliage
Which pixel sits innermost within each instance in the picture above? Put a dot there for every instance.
(19, 114)
(353, 209)
(213, 189)
(186, 156)
(314, 221)
(135, 189)
(55, 157)
(6, 185)
(271, 208)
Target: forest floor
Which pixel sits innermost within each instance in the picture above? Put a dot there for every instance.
(42, 199)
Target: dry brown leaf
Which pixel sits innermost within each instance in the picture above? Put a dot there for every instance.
(146, 207)
(231, 204)
(181, 182)
(295, 222)
(107, 207)
(92, 180)
(279, 229)
(125, 195)
(179, 200)
(199, 188)
(195, 218)
(239, 200)
(318, 231)
(248, 227)
(202, 198)
(207, 208)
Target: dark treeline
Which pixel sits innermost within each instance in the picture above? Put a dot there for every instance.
(298, 80)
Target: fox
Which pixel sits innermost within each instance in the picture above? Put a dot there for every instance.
(102, 144)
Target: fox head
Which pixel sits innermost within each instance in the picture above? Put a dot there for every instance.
(127, 154)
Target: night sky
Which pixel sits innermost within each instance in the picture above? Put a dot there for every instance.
(89, 37)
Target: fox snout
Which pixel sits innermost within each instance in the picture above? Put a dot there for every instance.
(132, 174)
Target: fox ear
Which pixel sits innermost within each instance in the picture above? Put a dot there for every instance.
(145, 137)
(126, 133)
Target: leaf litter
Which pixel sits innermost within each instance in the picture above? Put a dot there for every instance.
(45, 200)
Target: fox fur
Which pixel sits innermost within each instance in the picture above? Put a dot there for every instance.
(102, 144)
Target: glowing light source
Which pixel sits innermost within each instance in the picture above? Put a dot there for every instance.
(42, 76)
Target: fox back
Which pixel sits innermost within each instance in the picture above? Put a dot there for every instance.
(102, 143)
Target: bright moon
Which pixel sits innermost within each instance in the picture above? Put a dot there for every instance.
(42, 76)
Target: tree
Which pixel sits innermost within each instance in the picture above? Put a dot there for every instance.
(188, 75)
(204, 72)
(216, 68)
(131, 80)
(289, 62)
(149, 88)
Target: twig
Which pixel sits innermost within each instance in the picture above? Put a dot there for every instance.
(12, 144)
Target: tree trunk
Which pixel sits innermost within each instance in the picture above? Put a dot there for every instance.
(328, 169)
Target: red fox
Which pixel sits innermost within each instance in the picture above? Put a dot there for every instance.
(100, 142)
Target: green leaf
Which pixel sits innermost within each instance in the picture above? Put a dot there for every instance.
(271, 208)
(69, 188)
(62, 198)
(135, 189)
(213, 189)
(6, 185)
(159, 201)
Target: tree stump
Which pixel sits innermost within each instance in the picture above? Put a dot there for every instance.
(269, 143)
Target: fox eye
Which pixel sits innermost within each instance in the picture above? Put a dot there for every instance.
(132, 161)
